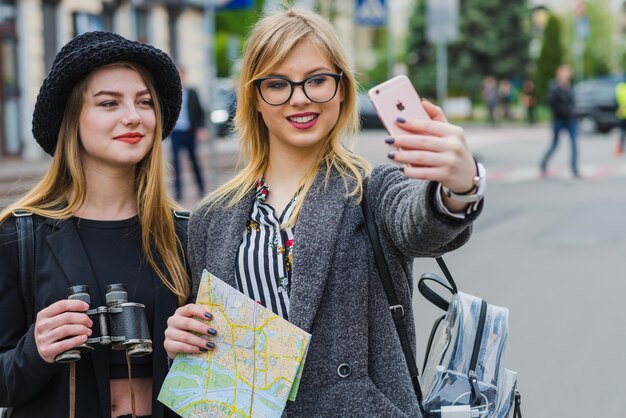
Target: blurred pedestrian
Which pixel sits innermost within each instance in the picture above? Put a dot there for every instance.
(561, 102)
(620, 96)
(189, 128)
(505, 97)
(490, 96)
(529, 100)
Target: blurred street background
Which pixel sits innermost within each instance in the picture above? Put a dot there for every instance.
(550, 249)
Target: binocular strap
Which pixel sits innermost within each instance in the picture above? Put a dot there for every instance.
(130, 384)
(72, 389)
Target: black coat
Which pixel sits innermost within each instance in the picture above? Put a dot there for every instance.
(196, 112)
(561, 101)
(31, 386)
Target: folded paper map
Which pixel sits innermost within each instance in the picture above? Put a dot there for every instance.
(254, 368)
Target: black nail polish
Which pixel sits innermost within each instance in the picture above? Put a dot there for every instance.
(211, 331)
(204, 350)
(401, 120)
(391, 155)
(209, 315)
(389, 140)
(210, 344)
(402, 169)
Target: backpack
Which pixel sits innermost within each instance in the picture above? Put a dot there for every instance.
(463, 367)
(463, 376)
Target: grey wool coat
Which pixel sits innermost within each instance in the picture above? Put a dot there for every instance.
(336, 293)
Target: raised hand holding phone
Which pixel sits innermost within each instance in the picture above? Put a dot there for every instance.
(429, 147)
(396, 98)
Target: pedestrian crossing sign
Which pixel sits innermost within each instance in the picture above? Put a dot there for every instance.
(370, 12)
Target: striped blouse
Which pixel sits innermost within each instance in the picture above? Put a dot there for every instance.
(264, 259)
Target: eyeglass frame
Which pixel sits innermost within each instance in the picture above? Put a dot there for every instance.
(336, 76)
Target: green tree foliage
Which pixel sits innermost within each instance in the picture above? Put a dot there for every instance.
(421, 54)
(550, 57)
(493, 39)
(599, 56)
(229, 23)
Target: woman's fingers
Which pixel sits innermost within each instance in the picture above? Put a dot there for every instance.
(48, 352)
(65, 305)
(434, 112)
(190, 318)
(61, 326)
(188, 331)
(448, 156)
(431, 127)
(422, 142)
(179, 341)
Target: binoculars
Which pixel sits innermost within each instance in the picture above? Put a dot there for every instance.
(123, 324)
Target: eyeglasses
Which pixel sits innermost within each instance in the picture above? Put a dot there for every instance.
(319, 88)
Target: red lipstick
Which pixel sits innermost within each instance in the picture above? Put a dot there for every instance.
(129, 137)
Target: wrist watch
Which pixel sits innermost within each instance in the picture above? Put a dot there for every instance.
(471, 196)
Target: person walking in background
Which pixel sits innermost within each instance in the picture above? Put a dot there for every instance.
(101, 217)
(490, 96)
(620, 96)
(561, 102)
(288, 231)
(189, 128)
(505, 97)
(529, 101)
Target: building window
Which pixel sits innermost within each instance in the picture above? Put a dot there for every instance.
(87, 22)
(10, 143)
(142, 23)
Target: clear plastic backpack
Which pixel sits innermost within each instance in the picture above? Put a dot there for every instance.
(463, 374)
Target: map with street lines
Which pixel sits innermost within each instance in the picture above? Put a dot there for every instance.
(254, 368)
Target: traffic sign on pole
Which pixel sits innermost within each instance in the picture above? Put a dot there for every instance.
(442, 20)
(370, 12)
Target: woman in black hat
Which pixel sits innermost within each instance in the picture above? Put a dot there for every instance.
(101, 217)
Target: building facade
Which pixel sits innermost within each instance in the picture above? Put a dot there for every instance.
(33, 31)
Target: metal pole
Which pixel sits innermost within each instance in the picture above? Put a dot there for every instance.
(442, 73)
(209, 29)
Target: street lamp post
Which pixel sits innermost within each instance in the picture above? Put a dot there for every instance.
(442, 28)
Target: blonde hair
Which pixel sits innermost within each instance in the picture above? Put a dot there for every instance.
(63, 189)
(269, 43)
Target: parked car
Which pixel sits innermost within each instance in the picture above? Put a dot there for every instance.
(595, 104)
(367, 114)
(223, 110)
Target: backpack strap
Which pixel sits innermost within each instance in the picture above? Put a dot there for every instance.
(26, 259)
(182, 215)
(397, 310)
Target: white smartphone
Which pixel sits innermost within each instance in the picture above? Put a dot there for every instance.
(396, 98)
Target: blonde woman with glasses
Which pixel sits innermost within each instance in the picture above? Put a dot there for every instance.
(288, 230)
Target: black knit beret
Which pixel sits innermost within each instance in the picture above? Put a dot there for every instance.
(87, 52)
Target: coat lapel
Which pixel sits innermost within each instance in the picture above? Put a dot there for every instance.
(224, 237)
(70, 254)
(316, 234)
